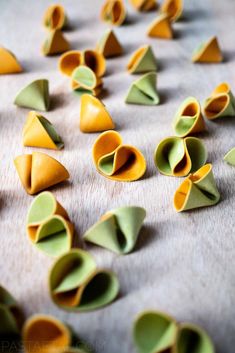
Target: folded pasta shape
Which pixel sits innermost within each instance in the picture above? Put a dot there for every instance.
(35, 95)
(154, 331)
(70, 61)
(84, 80)
(93, 115)
(118, 229)
(55, 43)
(11, 316)
(113, 12)
(142, 60)
(38, 171)
(143, 91)
(39, 132)
(197, 190)
(144, 5)
(208, 52)
(220, 103)
(109, 45)
(173, 8)
(188, 119)
(55, 17)
(230, 157)
(117, 161)
(161, 27)
(76, 284)
(176, 156)
(8, 62)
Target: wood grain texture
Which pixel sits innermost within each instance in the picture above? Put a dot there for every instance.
(184, 263)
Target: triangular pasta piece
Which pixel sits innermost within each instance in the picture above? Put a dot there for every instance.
(161, 28)
(55, 17)
(143, 91)
(113, 12)
(93, 115)
(197, 190)
(143, 60)
(38, 171)
(230, 157)
(35, 95)
(188, 119)
(39, 132)
(85, 80)
(173, 8)
(144, 5)
(56, 43)
(95, 61)
(109, 45)
(70, 61)
(8, 62)
(208, 52)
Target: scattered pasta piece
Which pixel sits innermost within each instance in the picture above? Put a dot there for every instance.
(76, 284)
(230, 157)
(55, 43)
(173, 8)
(176, 156)
(220, 103)
(161, 27)
(208, 52)
(113, 12)
(117, 161)
(197, 190)
(48, 225)
(144, 5)
(117, 230)
(95, 61)
(188, 119)
(93, 115)
(38, 171)
(11, 316)
(55, 17)
(109, 45)
(154, 332)
(39, 132)
(143, 60)
(34, 96)
(70, 61)
(143, 91)
(85, 80)
(8, 62)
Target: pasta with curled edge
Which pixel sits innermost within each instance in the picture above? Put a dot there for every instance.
(113, 12)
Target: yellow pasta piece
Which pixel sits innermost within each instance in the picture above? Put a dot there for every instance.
(109, 45)
(208, 52)
(142, 60)
(8, 62)
(113, 12)
(161, 27)
(55, 17)
(144, 5)
(69, 61)
(55, 43)
(173, 8)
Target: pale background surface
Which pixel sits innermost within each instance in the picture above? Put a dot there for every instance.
(184, 263)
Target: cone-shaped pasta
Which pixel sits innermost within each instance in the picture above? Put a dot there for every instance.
(8, 62)
(188, 119)
(197, 190)
(34, 96)
(76, 284)
(208, 52)
(154, 332)
(144, 5)
(39, 132)
(191, 338)
(143, 91)
(118, 229)
(109, 45)
(176, 156)
(55, 17)
(38, 171)
(95, 61)
(113, 12)
(10, 314)
(55, 43)
(173, 8)
(48, 225)
(93, 115)
(115, 160)
(220, 103)
(143, 60)
(161, 27)
(70, 61)
(85, 80)
(230, 157)
(45, 334)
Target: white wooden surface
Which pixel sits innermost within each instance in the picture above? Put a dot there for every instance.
(184, 263)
